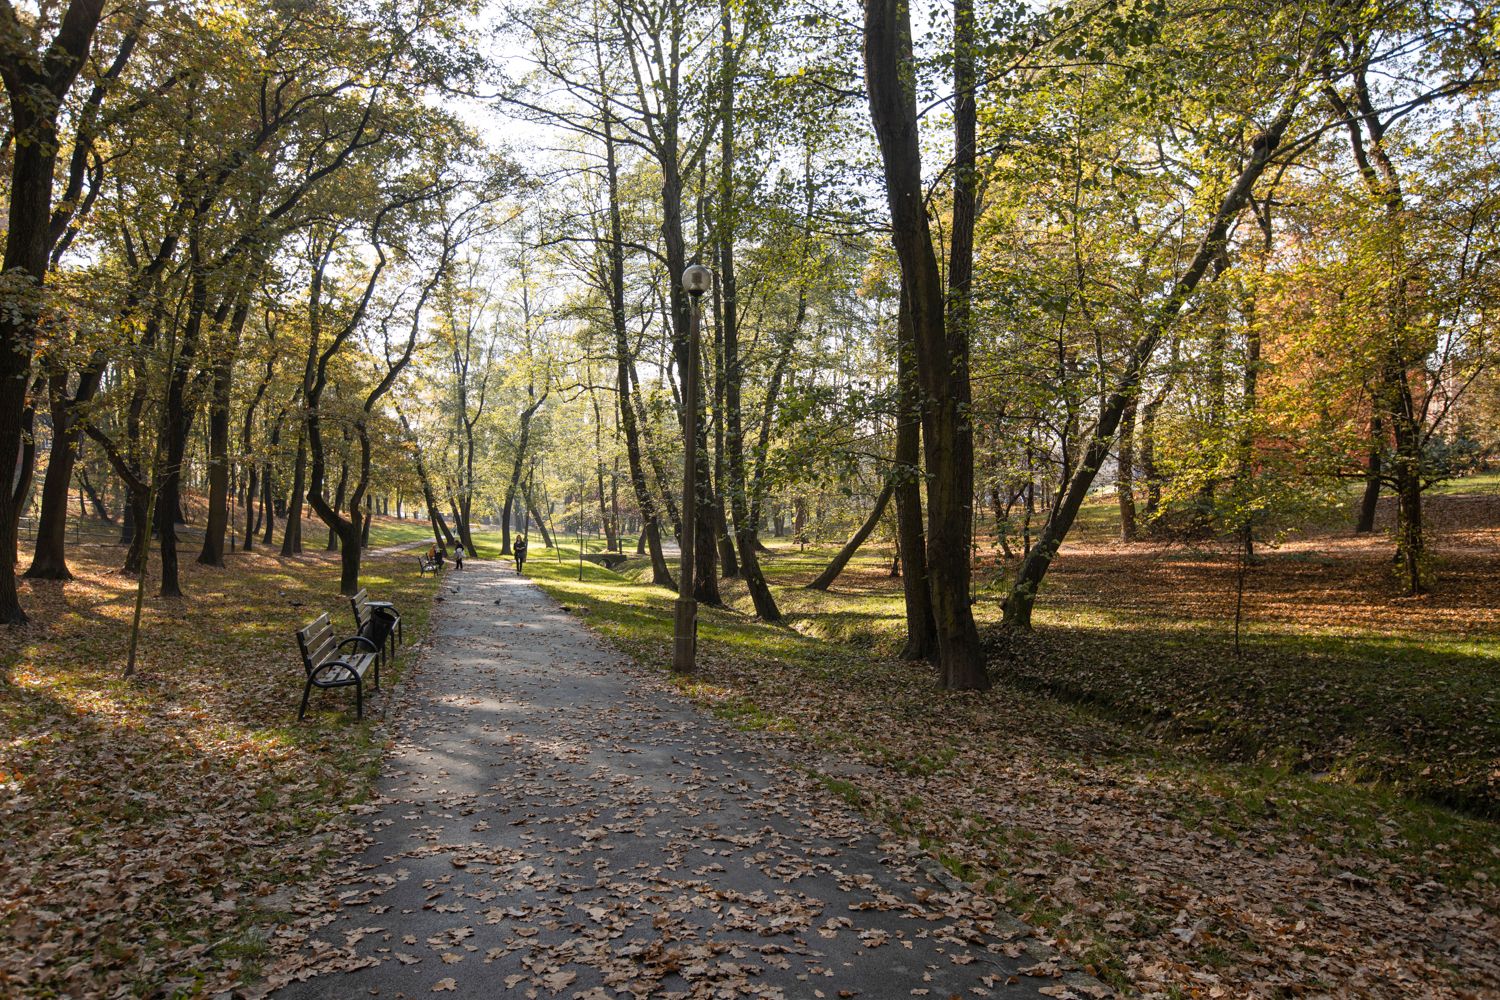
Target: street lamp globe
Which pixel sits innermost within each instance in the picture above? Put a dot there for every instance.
(696, 279)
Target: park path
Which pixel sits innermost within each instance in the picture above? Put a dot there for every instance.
(554, 821)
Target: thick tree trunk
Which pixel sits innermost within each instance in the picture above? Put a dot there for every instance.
(49, 561)
(911, 540)
(36, 87)
(942, 347)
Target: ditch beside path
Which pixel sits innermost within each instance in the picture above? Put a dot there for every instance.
(552, 820)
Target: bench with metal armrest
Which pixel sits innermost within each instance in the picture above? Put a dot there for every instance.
(328, 665)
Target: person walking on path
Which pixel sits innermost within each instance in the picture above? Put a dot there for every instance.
(520, 552)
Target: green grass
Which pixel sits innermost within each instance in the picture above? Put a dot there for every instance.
(1479, 483)
(389, 531)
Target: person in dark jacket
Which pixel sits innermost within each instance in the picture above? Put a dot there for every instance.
(520, 552)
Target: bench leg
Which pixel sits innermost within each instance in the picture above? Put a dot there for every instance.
(359, 696)
(306, 690)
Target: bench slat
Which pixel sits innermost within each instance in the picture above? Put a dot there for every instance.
(320, 621)
(328, 650)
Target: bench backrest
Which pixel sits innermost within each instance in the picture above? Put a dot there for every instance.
(318, 643)
(360, 602)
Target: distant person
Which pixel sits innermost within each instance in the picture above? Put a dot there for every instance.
(458, 556)
(520, 551)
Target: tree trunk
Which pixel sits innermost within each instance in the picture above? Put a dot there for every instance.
(541, 523)
(911, 541)
(252, 487)
(177, 424)
(1370, 502)
(36, 87)
(291, 532)
(1023, 593)
(611, 538)
(218, 439)
(740, 491)
(268, 500)
(1394, 399)
(942, 347)
(831, 573)
(23, 475)
(508, 511)
(49, 561)
(338, 503)
(100, 510)
(1149, 471)
(1124, 478)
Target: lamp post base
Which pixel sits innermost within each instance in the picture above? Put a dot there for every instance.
(685, 636)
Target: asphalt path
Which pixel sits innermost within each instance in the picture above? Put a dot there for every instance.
(555, 821)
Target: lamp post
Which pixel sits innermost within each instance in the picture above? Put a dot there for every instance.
(695, 281)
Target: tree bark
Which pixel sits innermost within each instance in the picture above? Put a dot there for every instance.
(291, 530)
(49, 561)
(1125, 475)
(739, 488)
(218, 437)
(1370, 502)
(508, 510)
(942, 349)
(911, 540)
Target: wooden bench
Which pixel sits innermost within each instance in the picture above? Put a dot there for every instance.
(328, 666)
(429, 565)
(378, 621)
